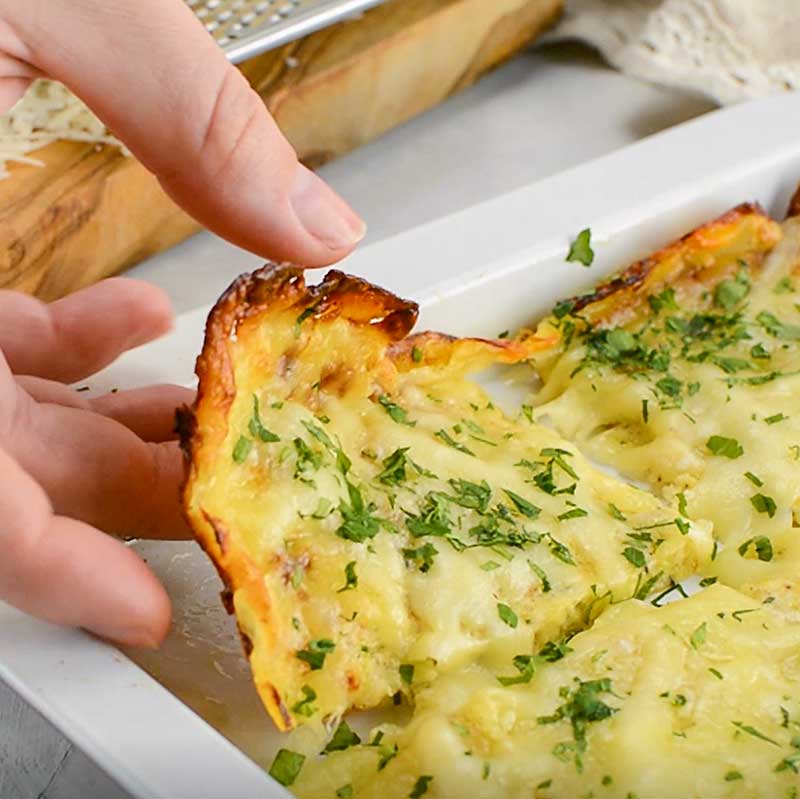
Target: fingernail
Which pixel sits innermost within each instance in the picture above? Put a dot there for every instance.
(324, 214)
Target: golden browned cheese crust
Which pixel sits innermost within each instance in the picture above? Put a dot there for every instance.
(279, 295)
(373, 515)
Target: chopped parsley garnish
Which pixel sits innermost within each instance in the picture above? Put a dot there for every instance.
(308, 312)
(731, 776)
(316, 652)
(664, 300)
(422, 556)
(583, 706)
(345, 792)
(507, 616)
(756, 481)
(573, 513)
(560, 551)
(759, 352)
(635, 557)
(490, 566)
(698, 637)
(407, 673)
(616, 513)
(725, 447)
(682, 503)
(580, 250)
(395, 468)
(526, 666)
(396, 413)
(522, 505)
(761, 546)
(775, 418)
(242, 449)
(421, 786)
(778, 329)
(754, 732)
(358, 523)
(303, 707)
(256, 427)
(717, 674)
(541, 574)
(343, 738)
(764, 504)
(451, 442)
(729, 293)
(471, 495)
(789, 763)
(416, 354)
(286, 766)
(350, 577)
(308, 460)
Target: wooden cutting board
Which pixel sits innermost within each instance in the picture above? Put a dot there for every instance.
(91, 212)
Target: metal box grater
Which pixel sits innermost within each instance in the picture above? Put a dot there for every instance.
(246, 28)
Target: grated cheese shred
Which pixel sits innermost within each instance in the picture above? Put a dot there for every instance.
(48, 112)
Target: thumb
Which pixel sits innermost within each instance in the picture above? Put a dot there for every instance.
(155, 77)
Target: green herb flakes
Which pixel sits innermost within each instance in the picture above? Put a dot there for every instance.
(242, 449)
(304, 707)
(580, 251)
(724, 447)
(522, 505)
(764, 504)
(422, 557)
(256, 427)
(350, 577)
(698, 637)
(507, 616)
(286, 766)
(316, 652)
(760, 545)
(407, 673)
(421, 786)
(756, 481)
(342, 739)
(396, 413)
(542, 575)
(754, 732)
(443, 435)
(635, 557)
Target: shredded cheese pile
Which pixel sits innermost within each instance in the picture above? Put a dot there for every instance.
(48, 112)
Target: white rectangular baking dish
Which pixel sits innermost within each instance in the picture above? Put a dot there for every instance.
(492, 267)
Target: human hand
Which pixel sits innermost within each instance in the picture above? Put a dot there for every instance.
(73, 467)
(153, 75)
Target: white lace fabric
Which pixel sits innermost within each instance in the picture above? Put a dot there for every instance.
(728, 50)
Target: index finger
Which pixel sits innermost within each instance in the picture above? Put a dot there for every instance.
(166, 89)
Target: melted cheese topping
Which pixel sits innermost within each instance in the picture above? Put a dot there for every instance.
(374, 531)
(696, 699)
(713, 413)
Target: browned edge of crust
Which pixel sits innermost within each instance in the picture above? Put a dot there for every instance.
(637, 273)
(273, 286)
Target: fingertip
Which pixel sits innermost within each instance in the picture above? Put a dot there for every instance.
(142, 617)
(147, 299)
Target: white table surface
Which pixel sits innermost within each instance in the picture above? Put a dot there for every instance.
(543, 112)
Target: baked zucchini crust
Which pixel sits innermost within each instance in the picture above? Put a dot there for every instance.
(684, 373)
(376, 520)
(695, 699)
